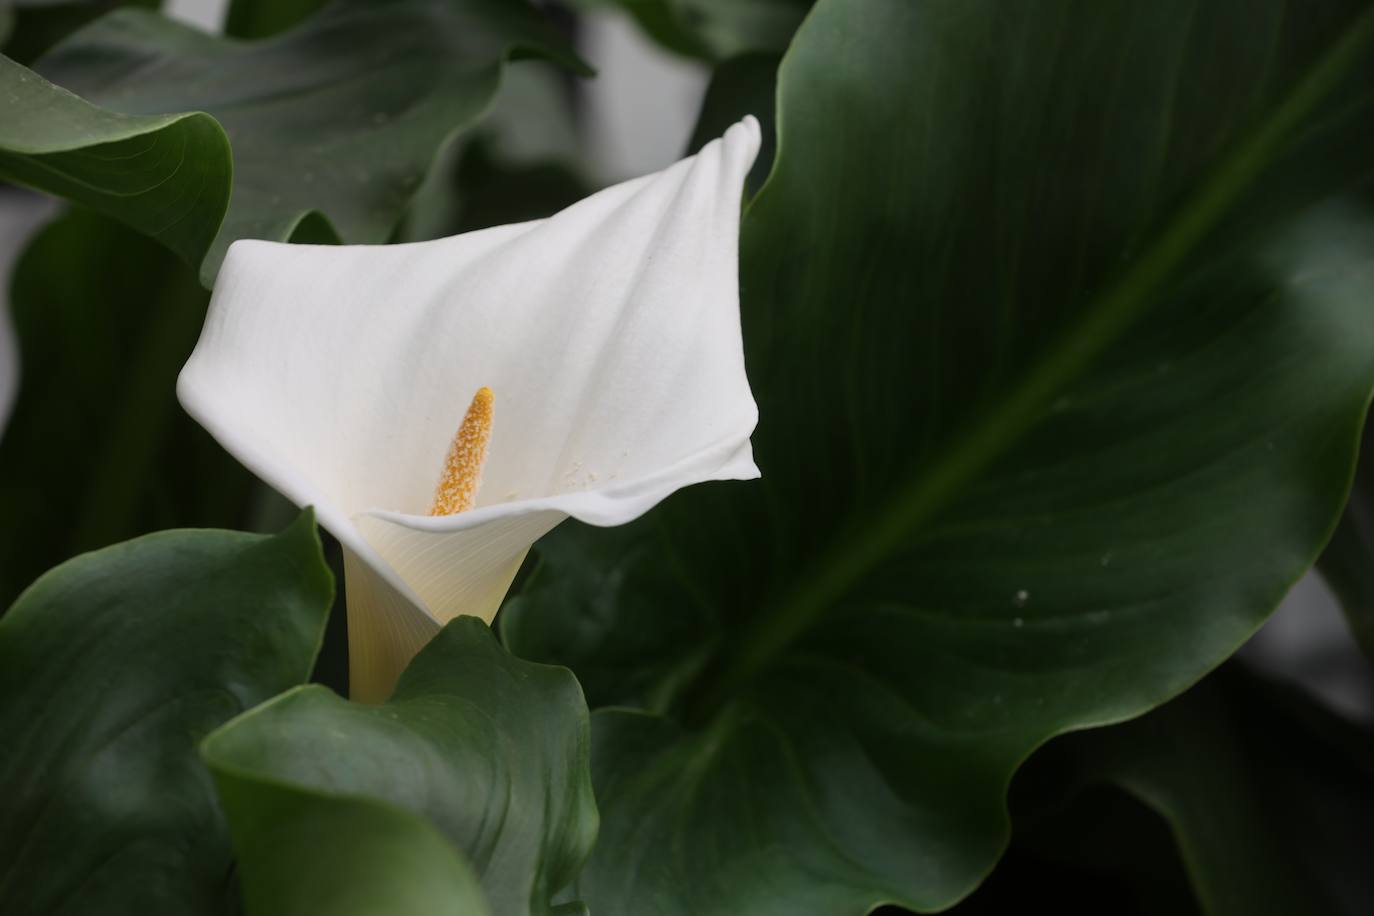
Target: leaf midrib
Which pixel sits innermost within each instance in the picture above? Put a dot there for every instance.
(932, 487)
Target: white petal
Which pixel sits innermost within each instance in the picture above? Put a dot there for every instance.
(385, 629)
(609, 334)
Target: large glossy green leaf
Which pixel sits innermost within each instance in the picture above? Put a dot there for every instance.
(112, 668)
(328, 142)
(1270, 797)
(634, 629)
(1057, 317)
(489, 749)
(97, 449)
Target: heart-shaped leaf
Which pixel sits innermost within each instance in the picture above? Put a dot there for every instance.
(489, 749)
(328, 143)
(1057, 317)
(113, 667)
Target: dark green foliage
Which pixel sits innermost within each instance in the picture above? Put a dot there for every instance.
(1059, 392)
(316, 153)
(490, 749)
(112, 668)
(97, 449)
(166, 175)
(1057, 315)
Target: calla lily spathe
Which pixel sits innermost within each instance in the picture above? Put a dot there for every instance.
(608, 335)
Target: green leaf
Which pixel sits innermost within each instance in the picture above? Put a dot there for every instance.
(167, 176)
(1269, 796)
(112, 668)
(715, 29)
(489, 749)
(319, 152)
(1061, 353)
(633, 628)
(97, 449)
(308, 855)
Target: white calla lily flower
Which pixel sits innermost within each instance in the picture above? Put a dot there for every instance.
(603, 344)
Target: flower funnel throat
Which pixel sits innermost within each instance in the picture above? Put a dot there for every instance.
(457, 490)
(611, 330)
